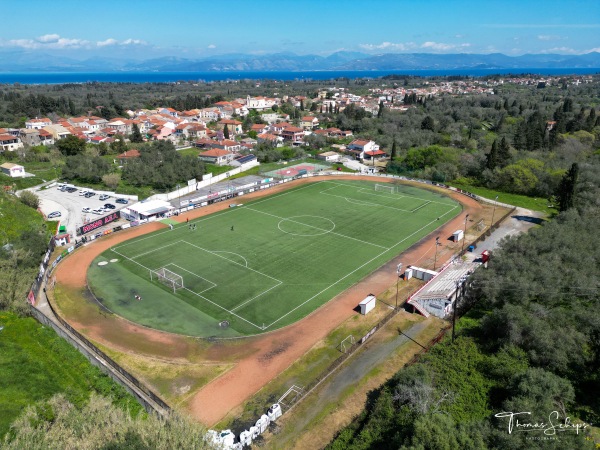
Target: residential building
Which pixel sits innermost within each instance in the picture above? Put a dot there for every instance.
(217, 156)
(10, 143)
(309, 123)
(36, 124)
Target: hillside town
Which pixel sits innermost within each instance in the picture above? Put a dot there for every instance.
(229, 130)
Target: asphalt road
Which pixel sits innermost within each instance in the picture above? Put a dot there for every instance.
(70, 206)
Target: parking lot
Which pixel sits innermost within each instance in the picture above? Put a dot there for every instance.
(71, 204)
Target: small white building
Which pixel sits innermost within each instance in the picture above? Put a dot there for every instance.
(457, 235)
(329, 156)
(149, 210)
(368, 304)
(12, 170)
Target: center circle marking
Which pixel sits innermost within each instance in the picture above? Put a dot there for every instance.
(297, 220)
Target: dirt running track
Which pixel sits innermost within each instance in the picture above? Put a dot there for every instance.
(263, 357)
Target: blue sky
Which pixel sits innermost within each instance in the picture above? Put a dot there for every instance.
(141, 29)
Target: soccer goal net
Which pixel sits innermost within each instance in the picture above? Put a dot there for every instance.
(167, 277)
(385, 188)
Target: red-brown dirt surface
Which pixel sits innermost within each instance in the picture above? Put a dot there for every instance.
(264, 357)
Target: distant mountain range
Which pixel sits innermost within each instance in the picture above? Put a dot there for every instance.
(35, 61)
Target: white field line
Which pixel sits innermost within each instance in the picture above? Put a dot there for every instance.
(232, 253)
(316, 228)
(407, 195)
(359, 267)
(279, 282)
(152, 251)
(197, 294)
(196, 275)
(233, 262)
(366, 203)
(419, 207)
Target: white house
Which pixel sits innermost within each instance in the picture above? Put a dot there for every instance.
(10, 143)
(36, 124)
(12, 170)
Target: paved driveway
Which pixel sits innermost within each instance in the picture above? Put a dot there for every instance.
(70, 206)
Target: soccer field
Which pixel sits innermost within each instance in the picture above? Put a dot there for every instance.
(267, 263)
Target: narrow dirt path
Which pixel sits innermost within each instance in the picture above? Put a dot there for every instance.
(262, 357)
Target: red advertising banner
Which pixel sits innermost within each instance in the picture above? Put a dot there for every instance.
(94, 225)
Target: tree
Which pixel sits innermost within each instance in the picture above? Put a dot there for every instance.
(394, 152)
(30, 199)
(492, 157)
(136, 135)
(504, 157)
(226, 132)
(99, 424)
(71, 145)
(566, 190)
(380, 111)
(118, 146)
(15, 279)
(428, 124)
(111, 180)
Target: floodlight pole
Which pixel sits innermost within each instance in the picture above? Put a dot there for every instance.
(493, 212)
(437, 242)
(465, 235)
(398, 269)
(454, 310)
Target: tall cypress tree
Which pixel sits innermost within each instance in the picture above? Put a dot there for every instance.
(380, 112)
(394, 151)
(492, 157)
(226, 132)
(136, 135)
(566, 190)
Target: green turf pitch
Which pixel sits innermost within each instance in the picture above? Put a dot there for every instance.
(268, 263)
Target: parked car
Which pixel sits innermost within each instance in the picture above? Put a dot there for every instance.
(54, 214)
(89, 194)
(83, 192)
(97, 211)
(109, 206)
(86, 210)
(122, 200)
(71, 190)
(104, 197)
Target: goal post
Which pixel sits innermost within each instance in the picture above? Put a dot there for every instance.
(385, 188)
(168, 278)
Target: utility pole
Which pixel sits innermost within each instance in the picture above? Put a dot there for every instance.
(398, 269)
(493, 212)
(454, 310)
(437, 243)
(464, 235)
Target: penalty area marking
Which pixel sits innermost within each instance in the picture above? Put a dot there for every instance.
(232, 253)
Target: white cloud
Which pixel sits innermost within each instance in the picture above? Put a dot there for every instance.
(109, 41)
(442, 47)
(49, 38)
(549, 37)
(389, 46)
(48, 41)
(562, 50)
(133, 42)
(211, 46)
(408, 46)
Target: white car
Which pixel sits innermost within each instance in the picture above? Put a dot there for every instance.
(104, 197)
(97, 211)
(86, 210)
(54, 214)
(82, 192)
